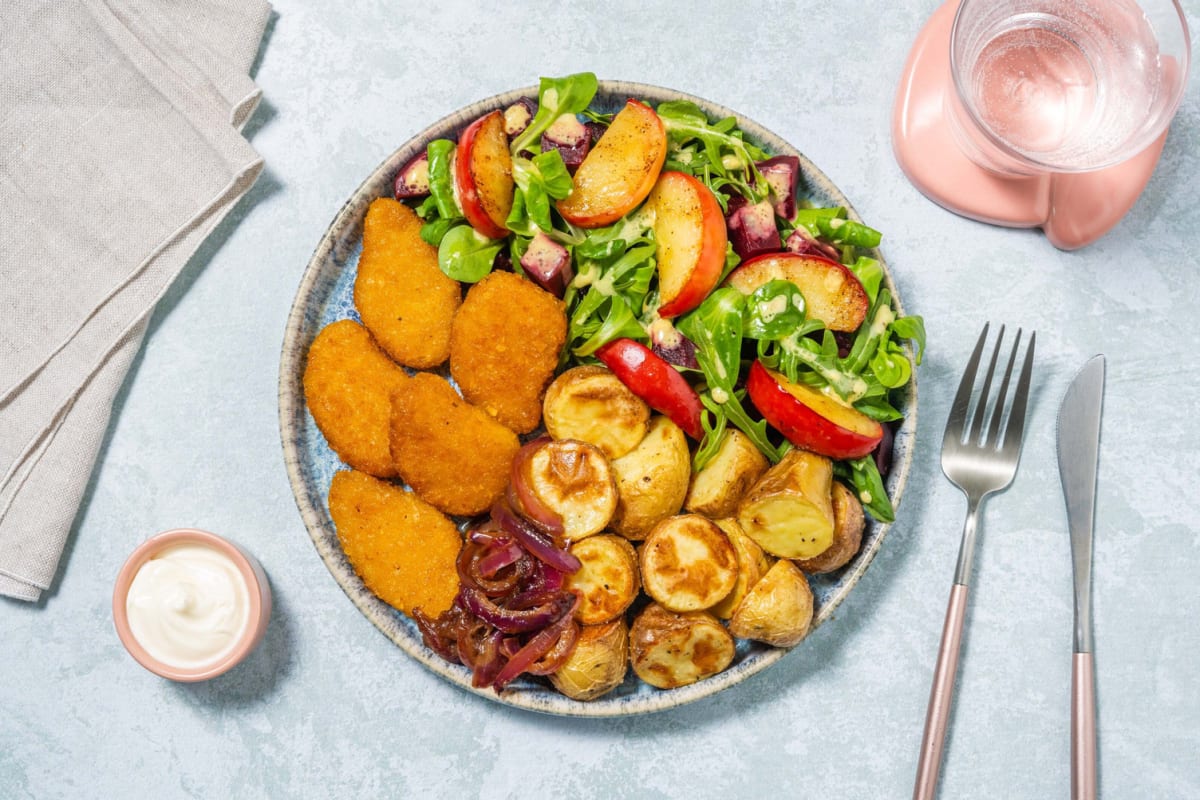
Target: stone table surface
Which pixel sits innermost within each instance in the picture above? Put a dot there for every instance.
(328, 707)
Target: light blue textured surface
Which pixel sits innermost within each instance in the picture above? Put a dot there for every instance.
(329, 707)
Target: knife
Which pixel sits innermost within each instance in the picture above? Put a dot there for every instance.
(1078, 457)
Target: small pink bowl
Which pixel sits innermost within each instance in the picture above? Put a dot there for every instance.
(252, 573)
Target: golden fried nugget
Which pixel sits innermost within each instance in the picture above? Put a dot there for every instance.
(348, 385)
(451, 453)
(504, 347)
(403, 548)
(404, 299)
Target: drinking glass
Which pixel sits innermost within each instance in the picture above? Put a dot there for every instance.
(1064, 86)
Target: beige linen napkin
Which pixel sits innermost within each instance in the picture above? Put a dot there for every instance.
(120, 151)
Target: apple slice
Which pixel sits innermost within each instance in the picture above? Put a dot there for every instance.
(690, 230)
(483, 172)
(656, 382)
(810, 419)
(619, 171)
(831, 292)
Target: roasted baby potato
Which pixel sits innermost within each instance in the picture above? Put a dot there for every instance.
(574, 479)
(348, 383)
(652, 479)
(789, 512)
(403, 548)
(717, 489)
(688, 563)
(592, 405)
(752, 564)
(403, 298)
(778, 610)
(669, 650)
(598, 663)
(848, 524)
(452, 454)
(504, 347)
(607, 579)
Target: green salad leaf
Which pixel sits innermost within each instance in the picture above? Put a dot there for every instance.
(466, 255)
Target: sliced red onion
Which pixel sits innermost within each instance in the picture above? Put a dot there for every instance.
(509, 620)
(538, 646)
(559, 653)
(489, 661)
(539, 544)
(521, 495)
(439, 634)
(496, 557)
(544, 585)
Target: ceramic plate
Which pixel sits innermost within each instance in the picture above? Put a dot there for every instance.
(325, 295)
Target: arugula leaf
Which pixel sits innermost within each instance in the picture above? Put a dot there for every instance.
(847, 231)
(539, 180)
(867, 483)
(441, 181)
(715, 153)
(556, 96)
(465, 255)
(912, 327)
(869, 273)
(773, 310)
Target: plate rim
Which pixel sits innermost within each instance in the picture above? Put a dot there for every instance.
(292, 409)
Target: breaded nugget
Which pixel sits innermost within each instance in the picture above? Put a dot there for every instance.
(451, 453)
(348, 385)
(403, 548)
(404, 299)
(504, 347)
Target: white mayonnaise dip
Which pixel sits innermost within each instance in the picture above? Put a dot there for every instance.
(188, 606)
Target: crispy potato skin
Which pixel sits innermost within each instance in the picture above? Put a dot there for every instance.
(575, 480)
(789, 512)
(752, 564)
(451, 453)
(608, 579)
(688, 563)
(717, 489)
(598, 664)
(668, 650)
(348, 382)
(404, 299)
(652, 479)
(403, 548)
(778, 610)
(504, 347)
(848, 525)
(591, 404)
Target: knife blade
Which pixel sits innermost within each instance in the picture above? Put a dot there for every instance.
(1078, 460)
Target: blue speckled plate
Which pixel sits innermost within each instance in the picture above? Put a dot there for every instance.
(325, 295)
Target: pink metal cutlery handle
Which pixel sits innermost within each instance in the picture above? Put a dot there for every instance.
(1083, 728)
(941, 694)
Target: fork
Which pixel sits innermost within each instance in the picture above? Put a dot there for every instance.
(979, 461)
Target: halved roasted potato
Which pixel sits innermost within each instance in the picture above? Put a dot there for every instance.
(669, 650)
(688, 563)
(752, 564)
(778, 610)
(592, 405)
(574, 480)
(848, 524)
(607, 580)
(652, 479)
(789, 512)
(717, 489)
(598, 663)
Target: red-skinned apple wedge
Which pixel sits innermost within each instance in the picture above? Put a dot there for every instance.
(810, 419)
(619, 170)
(483, 172)
(690, 230)
(656, 382)
(831, 292)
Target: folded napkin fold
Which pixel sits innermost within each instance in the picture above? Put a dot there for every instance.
(120, 151)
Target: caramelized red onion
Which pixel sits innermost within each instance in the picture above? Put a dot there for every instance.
(539, 544)
(513, 614)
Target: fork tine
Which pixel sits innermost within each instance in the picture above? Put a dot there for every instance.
(1016, 418)
(962, 399)
(993, 434)
(981, 406)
